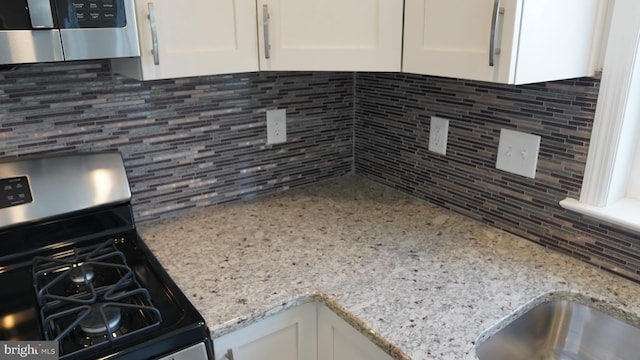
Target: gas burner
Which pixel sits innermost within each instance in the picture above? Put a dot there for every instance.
(100, 320)
(91, 298)
(81, 275)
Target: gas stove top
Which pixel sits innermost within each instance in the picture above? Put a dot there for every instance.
(91, 297)
(84, 279)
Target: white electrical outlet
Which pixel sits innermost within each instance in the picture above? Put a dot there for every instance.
(518, 153)
(276, 126)
(439, 131)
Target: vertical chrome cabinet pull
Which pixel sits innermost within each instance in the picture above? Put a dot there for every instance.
(154, 34)
(265, 28)
(494, 24)
(229, 354)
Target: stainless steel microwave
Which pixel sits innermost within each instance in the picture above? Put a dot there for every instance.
(58, 30)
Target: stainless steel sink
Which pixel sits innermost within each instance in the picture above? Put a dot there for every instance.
(563, 330)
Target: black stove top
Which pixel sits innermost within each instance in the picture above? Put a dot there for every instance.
(100, 293)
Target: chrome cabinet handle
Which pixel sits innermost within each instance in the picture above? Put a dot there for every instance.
(492, 40)
(154, 34)
(229, 354)
(265, 28)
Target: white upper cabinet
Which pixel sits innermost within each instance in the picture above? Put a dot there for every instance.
(198, 37)
(505, 41)
(335, 35)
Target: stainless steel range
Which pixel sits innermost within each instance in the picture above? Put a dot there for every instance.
(74, 270)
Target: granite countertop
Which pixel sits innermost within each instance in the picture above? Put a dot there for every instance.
(427, 281)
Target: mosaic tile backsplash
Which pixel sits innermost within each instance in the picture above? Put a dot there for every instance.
(392, 136)
(186, 142)
(198, 142)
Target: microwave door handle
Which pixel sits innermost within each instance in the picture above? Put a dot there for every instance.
(40, 14)
(154, 34)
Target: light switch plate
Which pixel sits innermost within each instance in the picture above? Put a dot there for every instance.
(438, 133)
(518, 153)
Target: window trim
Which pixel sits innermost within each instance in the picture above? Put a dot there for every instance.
(634, 184)
(616, 127)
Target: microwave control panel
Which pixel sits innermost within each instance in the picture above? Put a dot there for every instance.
(74, 14)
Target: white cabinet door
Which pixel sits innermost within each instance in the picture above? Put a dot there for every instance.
(557, 40)
(337, 340)
(528, 41)
(453, 38)
(335, 35)
(198, 37)
(289, 335)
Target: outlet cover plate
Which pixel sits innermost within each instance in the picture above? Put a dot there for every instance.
(438, 133)
(518, 153)
(276, 126)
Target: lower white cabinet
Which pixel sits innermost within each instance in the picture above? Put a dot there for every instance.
(289, 335)
(337, 340)
(306, 332)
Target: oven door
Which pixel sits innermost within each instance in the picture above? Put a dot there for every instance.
(97, 29)
(27, 33)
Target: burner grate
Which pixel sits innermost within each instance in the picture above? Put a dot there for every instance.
(90, 297)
